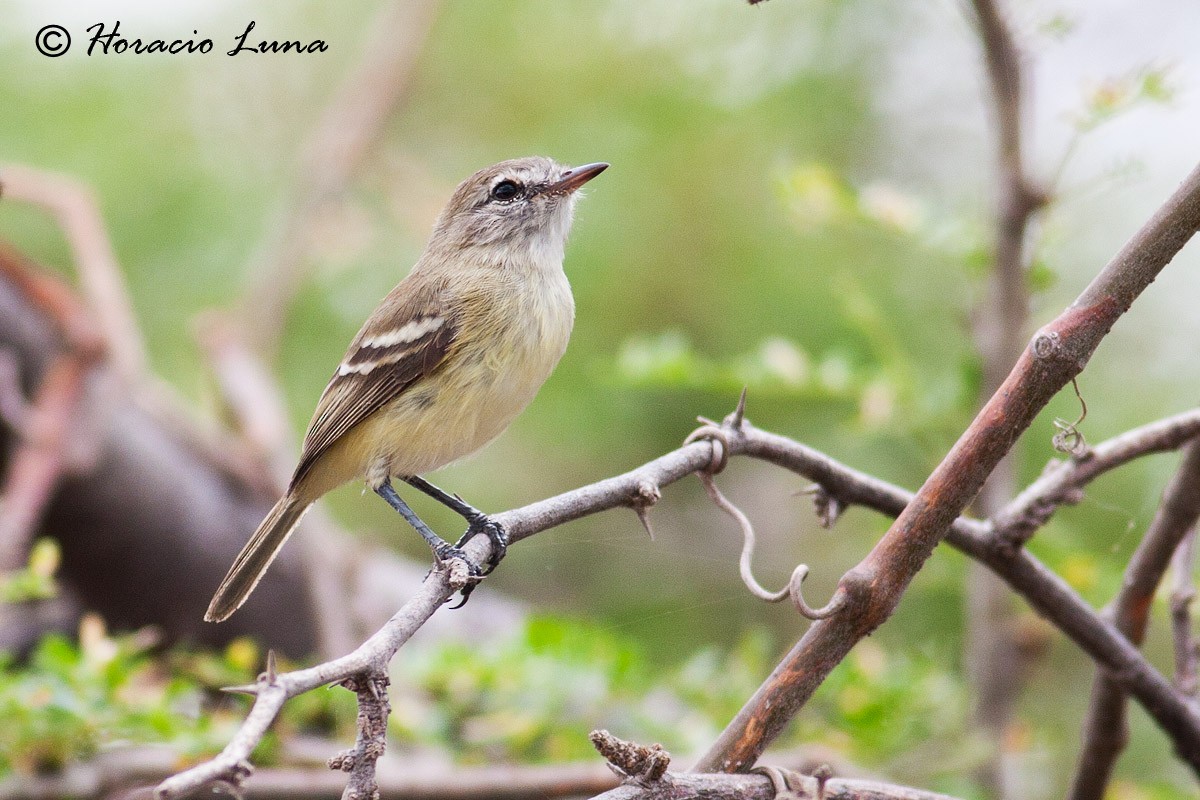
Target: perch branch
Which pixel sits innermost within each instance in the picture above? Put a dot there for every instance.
(873, 588)
(1105, 728)
(1044, 590)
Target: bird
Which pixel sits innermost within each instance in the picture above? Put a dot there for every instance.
(443, 365)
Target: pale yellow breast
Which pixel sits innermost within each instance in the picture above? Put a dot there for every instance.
(515, 330)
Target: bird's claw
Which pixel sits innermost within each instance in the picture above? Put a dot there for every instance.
(496, 535)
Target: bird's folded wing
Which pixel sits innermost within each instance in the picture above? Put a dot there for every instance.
(393, 351)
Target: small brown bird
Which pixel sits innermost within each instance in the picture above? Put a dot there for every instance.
(444, 364)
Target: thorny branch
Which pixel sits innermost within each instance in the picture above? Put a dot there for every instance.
(1105, 729)
(873, 588)
(1044, 590)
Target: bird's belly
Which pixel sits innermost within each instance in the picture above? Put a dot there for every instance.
(478, 396)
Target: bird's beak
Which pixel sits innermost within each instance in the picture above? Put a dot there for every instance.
(575, 177)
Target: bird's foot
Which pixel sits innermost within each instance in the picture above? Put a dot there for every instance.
(496, 535)
(461, 572)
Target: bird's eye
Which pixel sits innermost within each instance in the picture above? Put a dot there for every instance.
(505, 190)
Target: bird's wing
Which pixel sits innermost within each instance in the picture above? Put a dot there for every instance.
(406, 339)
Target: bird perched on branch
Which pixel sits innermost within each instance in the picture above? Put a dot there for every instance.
(443, 365)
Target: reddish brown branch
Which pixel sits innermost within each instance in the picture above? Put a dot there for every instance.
(873, 589)
(1106, 729)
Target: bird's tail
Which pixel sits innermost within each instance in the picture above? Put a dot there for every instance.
(256, 556)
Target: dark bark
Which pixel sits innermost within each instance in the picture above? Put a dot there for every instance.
(148, 529)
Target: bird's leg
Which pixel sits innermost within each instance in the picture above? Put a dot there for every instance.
(443, 551)
(477, 521)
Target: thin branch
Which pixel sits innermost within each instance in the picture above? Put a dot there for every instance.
(373, 711)
(1001, 332)
(676, 786)
(352, 122)
(874, 587)
(1105, 729)
(724, 786)
(1062, 482)
(1183, 592)
(232, 765)
(75, 207)
(1040, 586)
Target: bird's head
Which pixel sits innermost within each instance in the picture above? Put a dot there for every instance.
(517, 207)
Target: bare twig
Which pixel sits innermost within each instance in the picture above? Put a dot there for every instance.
(1105, 731)
(232, 765)
(642, 763)
(352, 122)
(74, 205)
(1062, 482)
(874, 587)
(1183, 592)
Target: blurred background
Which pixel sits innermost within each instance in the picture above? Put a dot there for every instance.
(800, 201)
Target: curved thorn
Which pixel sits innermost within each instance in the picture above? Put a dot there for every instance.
(738, 416)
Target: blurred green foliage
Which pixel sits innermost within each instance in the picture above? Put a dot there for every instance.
(71, 700)
(758, 227)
